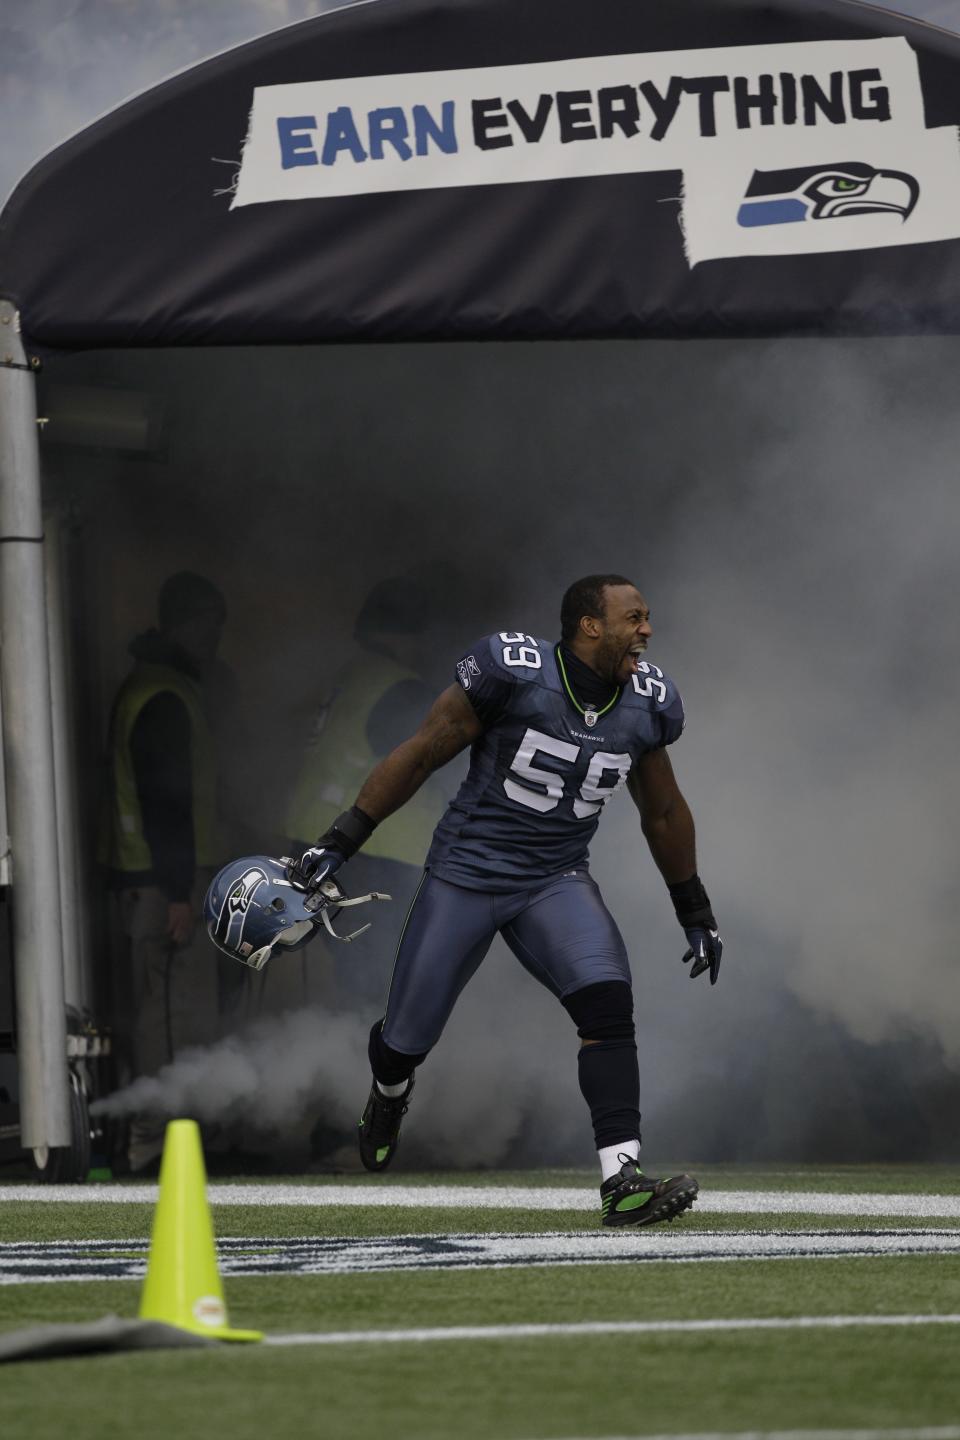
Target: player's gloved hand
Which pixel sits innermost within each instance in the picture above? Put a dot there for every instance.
(692, 904)
(706, 949)
(317, 864)
(347, 833)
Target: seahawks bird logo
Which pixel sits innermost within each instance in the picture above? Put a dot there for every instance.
(824, 192)
(233, 911)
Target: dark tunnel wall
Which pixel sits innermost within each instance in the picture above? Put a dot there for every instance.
(790, 510)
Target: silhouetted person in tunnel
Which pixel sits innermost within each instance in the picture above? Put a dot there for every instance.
(163, 838)
(375, 701)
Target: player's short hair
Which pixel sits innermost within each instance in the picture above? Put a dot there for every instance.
(586, 597)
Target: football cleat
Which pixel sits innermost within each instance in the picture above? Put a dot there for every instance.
(632, 1198)
(379, 1128)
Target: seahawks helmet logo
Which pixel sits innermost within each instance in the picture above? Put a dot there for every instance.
(826, 192)
(233, 912)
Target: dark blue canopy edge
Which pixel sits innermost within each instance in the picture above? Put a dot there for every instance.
(118, 237)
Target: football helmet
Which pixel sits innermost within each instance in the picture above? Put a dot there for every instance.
(255, 904)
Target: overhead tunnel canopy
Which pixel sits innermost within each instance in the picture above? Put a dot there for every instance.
(416, 169)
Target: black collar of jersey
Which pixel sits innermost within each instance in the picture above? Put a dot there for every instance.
(583, 687)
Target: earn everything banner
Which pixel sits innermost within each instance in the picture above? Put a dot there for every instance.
(780, 149)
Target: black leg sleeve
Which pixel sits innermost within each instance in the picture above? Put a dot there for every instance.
(390, 1067)
(610, 1084)
(609, 1077)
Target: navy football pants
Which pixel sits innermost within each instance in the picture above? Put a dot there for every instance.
(561, 932)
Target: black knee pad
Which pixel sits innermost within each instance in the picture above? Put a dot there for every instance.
(390, 1067)
(603, 1012)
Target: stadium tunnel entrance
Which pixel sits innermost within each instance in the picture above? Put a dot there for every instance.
(296, 476)
(495, 474)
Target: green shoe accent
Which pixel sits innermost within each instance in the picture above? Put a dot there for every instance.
(382, 1153)
(633, 1202)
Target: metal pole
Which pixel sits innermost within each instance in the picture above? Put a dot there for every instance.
(64, 769)
(28, 760)
(5, 865)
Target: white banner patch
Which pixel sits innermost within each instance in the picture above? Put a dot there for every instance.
(783, 149)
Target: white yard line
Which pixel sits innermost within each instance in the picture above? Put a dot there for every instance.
(603, 1327)
(929, 1432)
(501, 1197)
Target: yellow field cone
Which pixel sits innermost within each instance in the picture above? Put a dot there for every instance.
(183, 1283)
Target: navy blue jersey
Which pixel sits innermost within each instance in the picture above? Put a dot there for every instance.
(539, 775)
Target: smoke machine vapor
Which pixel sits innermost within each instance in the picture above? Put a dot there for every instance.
(286, 1074)
(797, 546)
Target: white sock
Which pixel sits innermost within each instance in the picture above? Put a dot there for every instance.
(609, 1157)
(394, 1090)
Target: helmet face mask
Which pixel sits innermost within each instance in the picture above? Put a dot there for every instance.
(251, 907)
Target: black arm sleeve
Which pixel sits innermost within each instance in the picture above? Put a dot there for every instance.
(160, 747)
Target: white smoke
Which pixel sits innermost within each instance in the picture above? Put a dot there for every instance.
(791, 509)
(273, 1070)
(487, 1088)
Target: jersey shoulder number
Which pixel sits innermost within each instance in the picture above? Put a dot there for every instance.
(654, 691)
(511, 655)
(514, 651)
(491, 668)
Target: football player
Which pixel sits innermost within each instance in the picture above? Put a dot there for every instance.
(556, 731)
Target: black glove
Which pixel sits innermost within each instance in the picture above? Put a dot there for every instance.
(347, 833)
(692, 904)
(317, 864)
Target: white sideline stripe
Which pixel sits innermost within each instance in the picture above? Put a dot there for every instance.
(930, 1432)
(603, 1327)
(371, 1194)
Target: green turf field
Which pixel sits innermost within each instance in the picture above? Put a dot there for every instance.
(649, 1381)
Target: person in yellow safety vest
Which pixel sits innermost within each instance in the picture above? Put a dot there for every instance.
(161, 841)
(374, 699)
